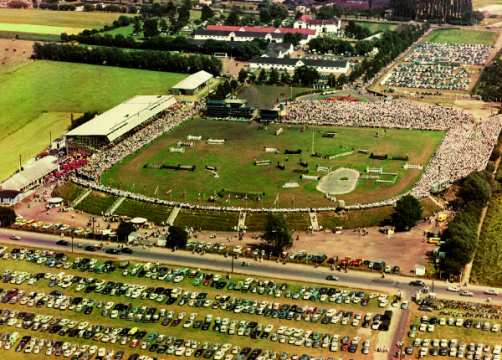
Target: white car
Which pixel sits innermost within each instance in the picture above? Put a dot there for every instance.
(454, 288)
(15, 237)
(493, 292)
(466, 293)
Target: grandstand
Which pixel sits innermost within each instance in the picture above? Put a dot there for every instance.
(229, 108)
(114, 124)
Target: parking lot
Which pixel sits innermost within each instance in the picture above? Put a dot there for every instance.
(157, 310)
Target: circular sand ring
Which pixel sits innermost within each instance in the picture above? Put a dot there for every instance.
(340, 181)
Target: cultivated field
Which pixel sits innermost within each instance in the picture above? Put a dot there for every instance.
(462, 36)
(42, 95)
(52, 22)
(241, 311)
(246, 142)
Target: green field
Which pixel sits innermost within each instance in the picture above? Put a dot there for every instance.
(375, 27)
(39, 97)
(461, 36)
(37, 29)
(44, 21)
(487, 266)
(245, 142)
(266, 96)
(476, 4)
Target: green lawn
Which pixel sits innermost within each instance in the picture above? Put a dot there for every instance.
(377, 27)
(39, 97)
(63, 19)
(487, 267)
(462, 36)
(96, 203)
(265, 96)
(246, 142)
(38, 29)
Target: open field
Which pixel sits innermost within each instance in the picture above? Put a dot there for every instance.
(487, 266)
(375, 27)
(250, 140)
(38, 29)
(477, 4)
(14, 53)
(44, 20)
(462, 36)
(190, 283)
(266, 96)
(42, 95)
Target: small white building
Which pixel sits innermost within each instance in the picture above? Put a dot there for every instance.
(10, 197)
(330, 26)
(324, 67)
(31, 175)
(193, 83)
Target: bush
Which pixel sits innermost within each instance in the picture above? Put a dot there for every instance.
(177, 238)
(7, 216)
(407, 212)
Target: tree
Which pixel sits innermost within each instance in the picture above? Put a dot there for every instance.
(177, 238)
(137, 28)
(233, 17)
(206, 13)
(292, 38)
(150, 28)
(285, 77)
(7, 216)
(277, 235)
(243, 75)
(407, 212)
(163, 25)
(356, 31)
(328, 12)
(306, 75)
(476, 188)
(273, 77)
(262, 76)
(123, 231)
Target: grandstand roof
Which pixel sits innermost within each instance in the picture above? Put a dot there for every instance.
(31, 173)
(124, 117)
(193, 81)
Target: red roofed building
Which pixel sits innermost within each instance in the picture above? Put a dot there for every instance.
(261, 29)
(306, 22)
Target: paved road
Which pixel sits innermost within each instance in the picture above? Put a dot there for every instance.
(296, 272)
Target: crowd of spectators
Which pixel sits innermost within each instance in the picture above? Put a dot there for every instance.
(467, 54)
(103, 160)
(466, 146)
(438, 76)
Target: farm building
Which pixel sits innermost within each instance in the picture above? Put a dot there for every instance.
(319, 25)
(192, 84)
(114, 124)
(31, 175)
(324, 67)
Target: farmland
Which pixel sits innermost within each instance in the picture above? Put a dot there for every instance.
(196, 186)
(205, 318)
(42, 95)
(462, 36)
(52, 22)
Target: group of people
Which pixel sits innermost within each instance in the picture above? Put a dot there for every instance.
(466, 146)
(103, 160)
(438, 66)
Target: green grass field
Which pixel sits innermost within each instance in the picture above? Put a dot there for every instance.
(487, 266)
(246, 142)
(265, 96)
(476, 4)
(375, 27)
(40, 97)
(461, 36)
(44, 21)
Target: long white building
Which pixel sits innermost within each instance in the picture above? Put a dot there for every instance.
(324, 67)
(113, 124)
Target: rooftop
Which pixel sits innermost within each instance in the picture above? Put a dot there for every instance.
(261, 29)
(124, 117)
(31, 173)
(193, 81)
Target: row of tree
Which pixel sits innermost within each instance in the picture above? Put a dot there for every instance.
(324, 45)
(461, 239)
(244, 50)
(304, 76)
(490, 83)
(150, 60)
(452, 11)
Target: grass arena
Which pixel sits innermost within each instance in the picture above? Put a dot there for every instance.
(284, 166)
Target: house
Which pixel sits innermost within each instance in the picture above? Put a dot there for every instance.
(331, 26)
(10, 197)
(276, 50)
(192, 84)
(324, 67)
(249, 33)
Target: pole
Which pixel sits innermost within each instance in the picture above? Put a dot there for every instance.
(233, 258)
(72, 242)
